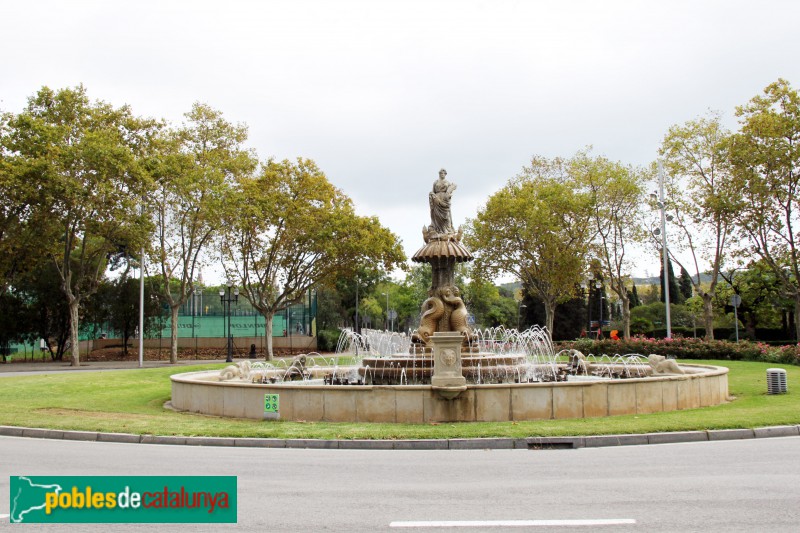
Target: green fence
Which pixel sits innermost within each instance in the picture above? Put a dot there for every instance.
(202, 318)
(241, 326)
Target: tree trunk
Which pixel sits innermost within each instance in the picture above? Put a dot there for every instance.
(73, 331)
(708, 316)
(549, 314)
(626, 319)
(797, 316)
(173, 337)
(268, 334)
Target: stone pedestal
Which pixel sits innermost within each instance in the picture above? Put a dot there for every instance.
(447, 379)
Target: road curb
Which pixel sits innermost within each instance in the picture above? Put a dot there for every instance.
(530, 443)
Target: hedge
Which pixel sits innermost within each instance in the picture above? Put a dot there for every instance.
(691, 348)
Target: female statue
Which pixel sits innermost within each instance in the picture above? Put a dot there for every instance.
(439, 199)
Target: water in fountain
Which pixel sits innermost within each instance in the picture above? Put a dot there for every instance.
(495, 355)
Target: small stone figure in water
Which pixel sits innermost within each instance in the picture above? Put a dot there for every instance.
(439, 198)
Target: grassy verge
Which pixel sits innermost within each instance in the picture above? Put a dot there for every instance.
(132, 402)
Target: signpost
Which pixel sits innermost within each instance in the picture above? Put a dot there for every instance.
(736, 301)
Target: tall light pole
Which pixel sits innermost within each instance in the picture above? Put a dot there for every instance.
(387, 308)
(587, 284)
(662, 206)
(227, 298)
(599, 285)
(358, 282)
(141, 301)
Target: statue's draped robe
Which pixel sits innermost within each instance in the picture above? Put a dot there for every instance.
(441, 219)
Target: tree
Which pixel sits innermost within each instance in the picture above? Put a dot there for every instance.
(197, 165)
(294, 230)
(19, 236)
(117, 303)
(765, 158)
(759, 291)
(490, 305)
(674, 294)
(685, 285)
(617, 193)
(83, 159)
(45, 311)
(536, 228)
(633, 297)
(12, 325)
(702, 202)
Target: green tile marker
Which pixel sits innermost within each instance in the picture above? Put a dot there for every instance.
(123, 499)
(272, 403)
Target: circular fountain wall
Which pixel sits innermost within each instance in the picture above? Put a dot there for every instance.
(523, 380)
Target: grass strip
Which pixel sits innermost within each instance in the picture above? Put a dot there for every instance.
(131, 401)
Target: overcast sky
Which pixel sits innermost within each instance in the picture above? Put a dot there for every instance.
(382, 94)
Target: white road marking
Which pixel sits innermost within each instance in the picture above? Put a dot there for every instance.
(514, 523)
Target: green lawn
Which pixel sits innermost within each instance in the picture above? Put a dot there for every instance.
(132, 401)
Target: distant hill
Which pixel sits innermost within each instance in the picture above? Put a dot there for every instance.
(640, 282)
(656, 280)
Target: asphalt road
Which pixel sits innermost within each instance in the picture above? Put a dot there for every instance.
(743, 485)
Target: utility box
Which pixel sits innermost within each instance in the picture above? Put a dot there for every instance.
(776, 381)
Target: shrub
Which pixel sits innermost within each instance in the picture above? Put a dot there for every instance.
(690, 348)
(327, 340)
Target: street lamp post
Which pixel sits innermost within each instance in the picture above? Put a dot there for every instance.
(358, 281)
(587, 284)
(228, 298)
(195, 294)
(519, 313)
(661, 203)
(387, 308)
(599, 285)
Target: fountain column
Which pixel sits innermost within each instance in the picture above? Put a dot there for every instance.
(447, 379)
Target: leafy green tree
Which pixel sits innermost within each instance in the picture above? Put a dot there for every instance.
(116, 303)
(12, 324)
(330, 311)
(536, 228)
(685, 284)
(45, 313)
(633, 298)
(371, 312)
(19, 230)
(84, 160)
(702, 202)
(491, 306)
(765, 157)
(570, 317)
(294, 230)
(760, 292)
(361, 284)
(617, 193)
(674, 294)
(197, 165)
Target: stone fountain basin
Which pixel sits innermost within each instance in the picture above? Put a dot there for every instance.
(700, 386)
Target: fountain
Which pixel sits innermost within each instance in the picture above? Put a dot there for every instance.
(446, 371)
